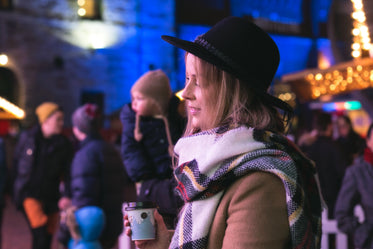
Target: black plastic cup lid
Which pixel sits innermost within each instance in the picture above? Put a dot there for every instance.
(140, 205)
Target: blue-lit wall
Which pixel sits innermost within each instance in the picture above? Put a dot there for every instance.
(52, 52)
(140, 49)
(287, 11)
(296, 53)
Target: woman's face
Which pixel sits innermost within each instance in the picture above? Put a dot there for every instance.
(196, 95)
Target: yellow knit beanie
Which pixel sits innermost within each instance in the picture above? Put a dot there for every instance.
(45, 110)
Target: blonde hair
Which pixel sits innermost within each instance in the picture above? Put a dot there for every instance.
(234, 102)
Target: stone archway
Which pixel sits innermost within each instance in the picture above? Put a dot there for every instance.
(9, 90)
(9, 87)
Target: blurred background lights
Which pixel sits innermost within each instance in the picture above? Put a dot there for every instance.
(360, 30)
(341, 106)
(3, 59)
(179, 94)
(82, 12)
(97, 41)
(13, 109)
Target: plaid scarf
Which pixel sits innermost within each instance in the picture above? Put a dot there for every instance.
(211, 160)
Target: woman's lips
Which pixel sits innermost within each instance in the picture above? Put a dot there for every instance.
(194, 110)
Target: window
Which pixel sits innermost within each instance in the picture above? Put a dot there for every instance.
(208, 11)
(93, 97)
(5, 4)
(89, 9)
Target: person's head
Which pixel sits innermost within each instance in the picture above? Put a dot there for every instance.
(228, 72)
(86, 121)
(344, 125)
(151, 94)
(51, 118)
(369, 138)
(323, 123)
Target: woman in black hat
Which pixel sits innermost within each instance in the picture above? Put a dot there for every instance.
(243, 183)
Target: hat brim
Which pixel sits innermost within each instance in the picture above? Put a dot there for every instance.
(201, 52)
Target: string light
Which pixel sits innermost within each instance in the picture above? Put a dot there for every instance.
(345, 79)
(13, 109)
(82, 11)
(360, 30)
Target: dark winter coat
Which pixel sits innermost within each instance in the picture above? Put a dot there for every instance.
(330, 167)
(40, 166)
(149, 162)
(3, 173)
(149, 158)
(98, 178)
(352, 146)
(357, 189)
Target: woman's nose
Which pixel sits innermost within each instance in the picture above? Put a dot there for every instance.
(187, 92)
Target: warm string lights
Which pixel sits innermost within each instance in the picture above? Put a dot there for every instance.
(337, 81)
(345, 77)
(82, 10)
(88, 9)
(360, 31)
(13, 109)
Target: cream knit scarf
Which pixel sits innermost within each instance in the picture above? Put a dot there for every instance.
(210, 161)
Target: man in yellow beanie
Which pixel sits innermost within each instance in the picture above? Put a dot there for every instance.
(42, 160)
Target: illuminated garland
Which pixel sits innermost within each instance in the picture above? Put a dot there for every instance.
(13, 109)
(360, 32)
(338, 81)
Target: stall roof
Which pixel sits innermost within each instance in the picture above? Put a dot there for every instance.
(344, 77)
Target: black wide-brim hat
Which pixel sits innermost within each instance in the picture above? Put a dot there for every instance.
(240, 48)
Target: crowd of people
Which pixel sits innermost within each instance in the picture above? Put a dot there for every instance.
(56, 180)
(218, 164)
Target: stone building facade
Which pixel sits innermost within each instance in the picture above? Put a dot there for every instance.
(54, 55)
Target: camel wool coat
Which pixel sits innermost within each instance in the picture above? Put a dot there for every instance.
(252, 214)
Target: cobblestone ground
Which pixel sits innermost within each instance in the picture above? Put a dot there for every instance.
(16, 234)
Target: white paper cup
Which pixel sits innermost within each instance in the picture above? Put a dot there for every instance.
(141, 218)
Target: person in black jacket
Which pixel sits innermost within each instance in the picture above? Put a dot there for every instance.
(328, 157)
(42, 162)
(98, 177)
(3, 176)
(357, 189)
(350, 142)
(151, 126)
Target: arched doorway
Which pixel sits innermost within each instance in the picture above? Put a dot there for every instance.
(9, 90)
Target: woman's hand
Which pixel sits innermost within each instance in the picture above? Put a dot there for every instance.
(163, 236)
